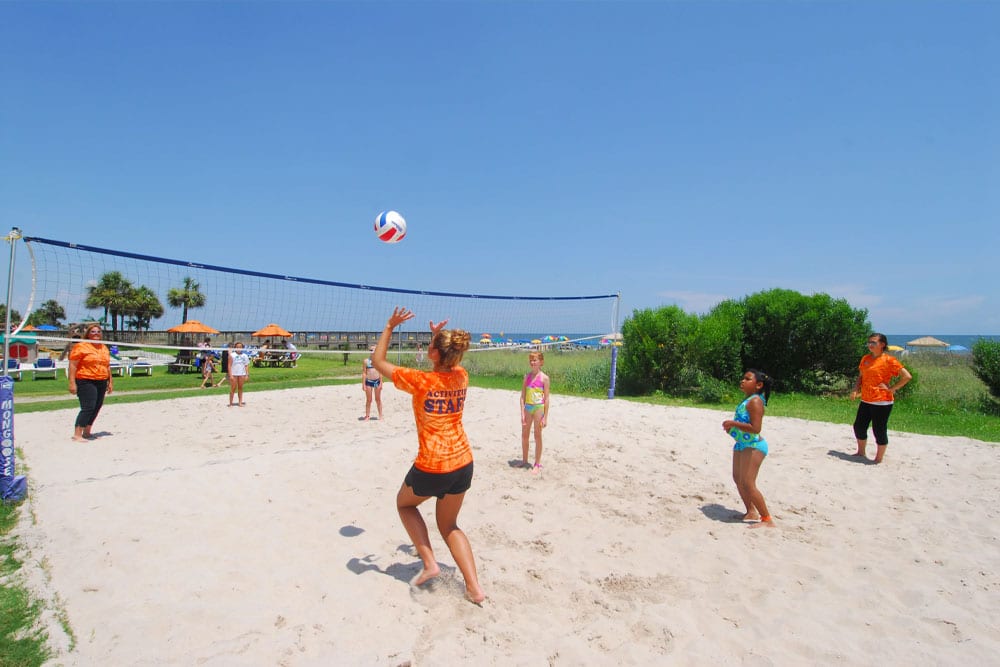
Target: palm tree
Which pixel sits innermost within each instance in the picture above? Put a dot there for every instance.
(50, 312)
(186, 297)
(111, 293)
(144, 306)
(15, 317)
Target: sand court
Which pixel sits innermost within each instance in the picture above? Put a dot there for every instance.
(199, 534)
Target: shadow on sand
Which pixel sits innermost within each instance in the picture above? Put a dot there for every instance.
(850, 458)
(717, 512)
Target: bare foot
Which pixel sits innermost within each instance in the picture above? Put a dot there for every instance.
(426, 575)
(76, 439)
(760, 524)
(750, 516)
(475, 597)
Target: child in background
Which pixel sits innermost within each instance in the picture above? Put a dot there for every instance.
(207, 369)
(371, 382)
(239, 373)
(534, 409)
(750, 449)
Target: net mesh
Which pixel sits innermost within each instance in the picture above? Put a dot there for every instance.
(321, 313)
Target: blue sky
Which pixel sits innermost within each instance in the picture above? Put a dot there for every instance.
(679, 152)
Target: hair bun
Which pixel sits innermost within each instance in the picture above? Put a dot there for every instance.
(460, 340)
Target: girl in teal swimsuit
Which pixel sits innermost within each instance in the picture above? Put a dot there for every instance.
(750, 448)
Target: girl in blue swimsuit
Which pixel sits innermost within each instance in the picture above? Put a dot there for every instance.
(750, 448)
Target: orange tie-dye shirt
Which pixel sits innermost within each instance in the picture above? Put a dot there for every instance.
(438, 401)
(875, 371)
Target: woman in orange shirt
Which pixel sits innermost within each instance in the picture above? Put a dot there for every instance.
(90, 379)
(443, 467)
(876, 371)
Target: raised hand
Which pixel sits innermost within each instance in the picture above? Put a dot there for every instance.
(400, 315)
(437, 327)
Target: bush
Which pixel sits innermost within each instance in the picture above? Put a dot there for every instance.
(716, 348)
(654, 354)
(807, 343)
(713, 390)
(986, 364)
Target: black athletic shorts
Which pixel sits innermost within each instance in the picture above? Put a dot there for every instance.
(439, 484)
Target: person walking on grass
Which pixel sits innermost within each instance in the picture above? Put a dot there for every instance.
(750, 448)
(239, 372)
(443, 466)
(875, 371)
(534, 409)
(207, 369)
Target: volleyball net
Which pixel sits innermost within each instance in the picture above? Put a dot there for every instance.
(144, 295)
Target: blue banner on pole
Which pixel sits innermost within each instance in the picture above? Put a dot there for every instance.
(614, 371)
(12, 487)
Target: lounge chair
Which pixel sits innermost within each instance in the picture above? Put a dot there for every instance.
(117, 368)
(44, 367)
(141, 368)
(14, 369)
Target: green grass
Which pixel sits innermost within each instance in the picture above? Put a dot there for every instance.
(312, 370)
(945, 399)
(20, 643)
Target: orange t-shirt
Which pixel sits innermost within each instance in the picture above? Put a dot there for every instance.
(92, 361)
(438, 401)
(875, 371)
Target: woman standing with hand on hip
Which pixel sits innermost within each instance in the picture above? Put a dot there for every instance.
(89, 379)
(876, 371)
(443, 467)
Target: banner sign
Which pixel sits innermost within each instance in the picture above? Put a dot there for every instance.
(12, 487)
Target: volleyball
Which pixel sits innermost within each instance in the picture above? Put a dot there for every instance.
(390, 227)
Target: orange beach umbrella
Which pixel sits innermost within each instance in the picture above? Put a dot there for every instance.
(193, 326)
(271, 330)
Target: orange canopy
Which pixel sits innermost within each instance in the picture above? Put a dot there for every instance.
(193, 326)
(271, 330)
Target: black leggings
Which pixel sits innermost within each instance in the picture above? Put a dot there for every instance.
(878, 417)
(91, 395)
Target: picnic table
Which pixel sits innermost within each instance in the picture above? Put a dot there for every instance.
(275, 360)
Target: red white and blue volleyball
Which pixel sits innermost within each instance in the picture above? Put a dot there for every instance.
(390, 227)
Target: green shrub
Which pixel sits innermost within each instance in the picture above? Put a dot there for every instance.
(712, 390)
(654, 354)
(716, 347)
(806, 343)
(986, 364)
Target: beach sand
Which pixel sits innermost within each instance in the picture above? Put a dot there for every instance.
(199, 534)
